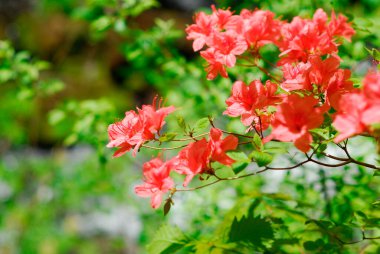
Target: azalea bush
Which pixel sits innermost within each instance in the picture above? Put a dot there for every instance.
(220, 151)
(304, 97)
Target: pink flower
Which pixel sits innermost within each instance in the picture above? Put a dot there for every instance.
(371, 87)
(219, 146)
(303, 38)
(200, 31)
(196, 157)
(340, 27)
(156, 181)
(220, 17)
(371, 91)
(251, 102)
(261, 28)
(135, 129)
(296, 77)
(359, 109)
(125, 134)
(192, 160)
(321, 77)
(215, 64)
(294, 118)
(228, 46)
(348, 120)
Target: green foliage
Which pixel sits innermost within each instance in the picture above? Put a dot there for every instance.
(168, 240)
(45, 198)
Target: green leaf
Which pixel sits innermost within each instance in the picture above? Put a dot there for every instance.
(251, 229)
(169, 136)
(101, 24)
(310, 245)
(376, 173)
(374, 53)
(168, 240)
(261, 158)
(201, 124)
(56, 116)
(376, 204)
(257, 142)
(323, 133)
(181, 123)
(242, 161)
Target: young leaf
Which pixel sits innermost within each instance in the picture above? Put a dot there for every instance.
(201, 124)
(261, 158)
(167, 240)
(257, 142)
(242, 161)
(181, 123)
(167, 137)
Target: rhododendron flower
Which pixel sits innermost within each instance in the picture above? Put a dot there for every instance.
(219, 146)
(192, 160)
(200, 31)
(156, 181)
(227, 47)
(371, 87)
(296, 77)
(261, 28)
(303, 38)
(359, 109)
(251, 102)
(215, 64)
(195, 158)
(294, 118)
(348, 121)
(318, 76)
(220, 17)
(371, 91)
(338, 85)
(339, 26)
(135, 129)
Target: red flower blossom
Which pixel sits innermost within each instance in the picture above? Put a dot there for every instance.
(320, 77)
(220, 17)
(359, 109)
(215, 64)
(251, 102)
(219, 146)
(371, 91)
(195, 158)
(192, 160)
(294, 118)
(296, 77)
(339, 26)
(303, 38)
(348, 120)
(200, 31)
(156, 181)
(135, 129)
(227, 47)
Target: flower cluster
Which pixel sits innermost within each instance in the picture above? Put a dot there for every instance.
(194, 159)
(252, 103)
(312, 77)
(312, 92)
(137, 128)
(227, 35)
(360, 109)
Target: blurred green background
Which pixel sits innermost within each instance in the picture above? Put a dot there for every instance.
(70, 68)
